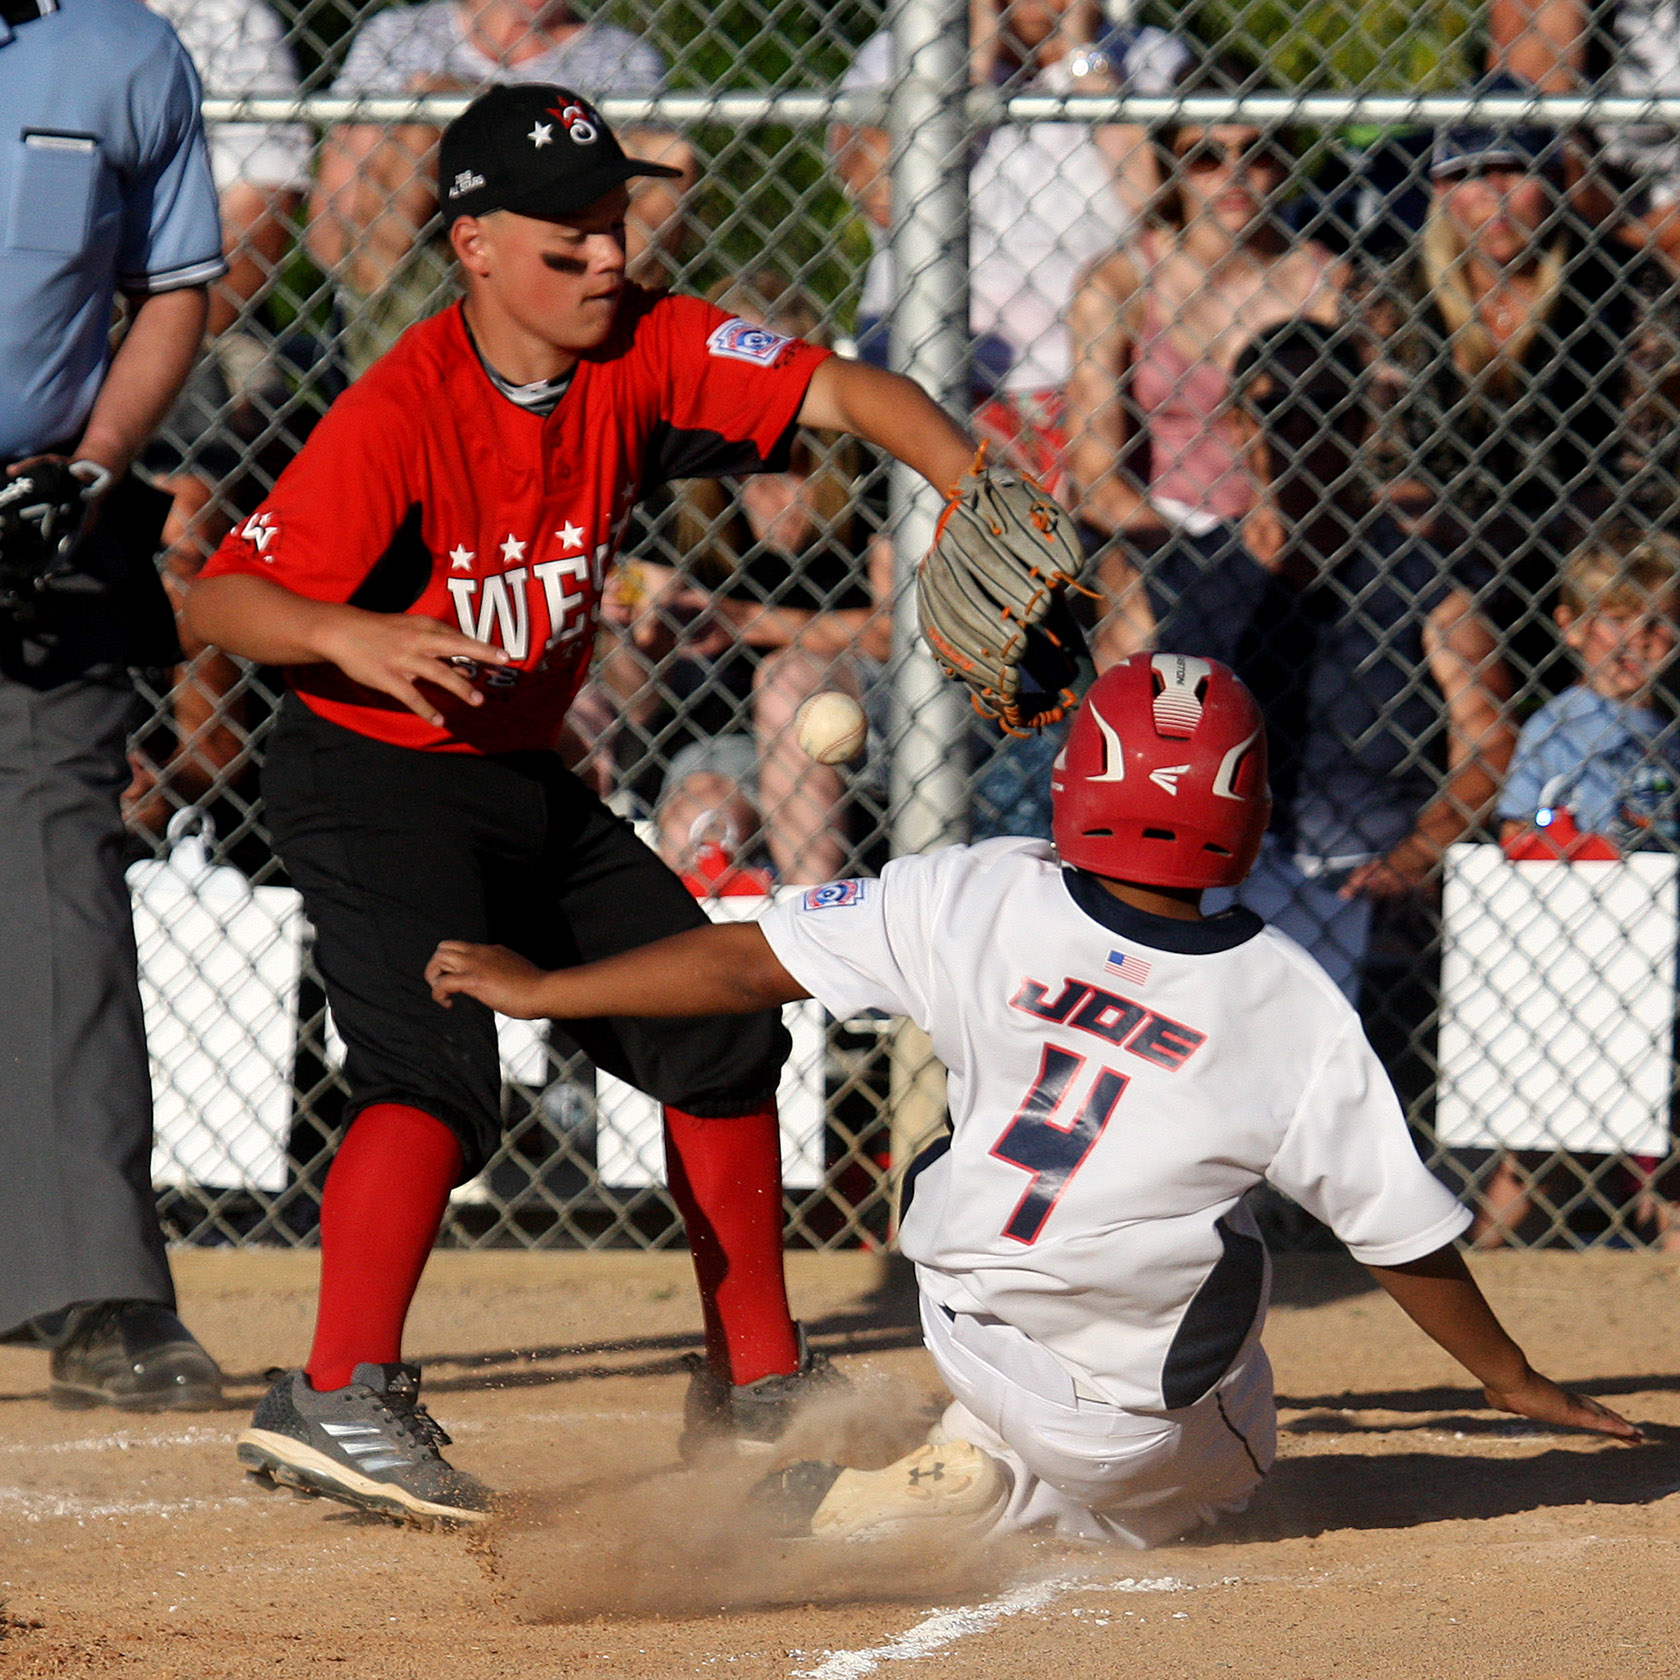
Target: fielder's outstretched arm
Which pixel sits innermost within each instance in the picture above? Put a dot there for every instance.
(725, 970)
(891, 412)
(1439, 1295)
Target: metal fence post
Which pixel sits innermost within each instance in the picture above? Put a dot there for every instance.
(929, 332)
(929, 790)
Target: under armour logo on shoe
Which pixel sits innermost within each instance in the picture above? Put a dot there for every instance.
(918, 1475)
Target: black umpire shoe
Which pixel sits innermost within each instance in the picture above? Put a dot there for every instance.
(46, 1330)
(136, 1355)
(750, 1416)
(371, 1444)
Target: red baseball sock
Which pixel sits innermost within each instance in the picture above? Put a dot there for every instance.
(726, 1176)
(380, 1214)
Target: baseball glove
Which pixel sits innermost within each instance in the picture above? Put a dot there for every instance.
(43, 509)
(992, 598)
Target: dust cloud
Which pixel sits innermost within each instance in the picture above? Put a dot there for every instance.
(689, 1540)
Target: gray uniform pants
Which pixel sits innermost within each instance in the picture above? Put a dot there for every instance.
(77, 1221)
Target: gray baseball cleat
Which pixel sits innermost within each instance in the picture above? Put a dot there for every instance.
(948, 1491)
(750, 1416)
(371, 1444)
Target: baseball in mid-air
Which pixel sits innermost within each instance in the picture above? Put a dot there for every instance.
(831, 727)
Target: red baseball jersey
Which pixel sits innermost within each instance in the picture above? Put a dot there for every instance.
(425, 490)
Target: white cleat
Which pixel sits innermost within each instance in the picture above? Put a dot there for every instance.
(947, 1488)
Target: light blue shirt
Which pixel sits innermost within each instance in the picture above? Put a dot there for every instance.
(104, 184)
(1615, 766)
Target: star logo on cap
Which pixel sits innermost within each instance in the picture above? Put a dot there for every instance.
(461, 558)
(570, 535)
(513, 548)
(542, 134)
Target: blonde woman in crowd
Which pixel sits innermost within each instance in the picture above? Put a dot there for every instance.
(1521, 397)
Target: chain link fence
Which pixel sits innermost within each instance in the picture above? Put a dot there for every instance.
(1428, 530)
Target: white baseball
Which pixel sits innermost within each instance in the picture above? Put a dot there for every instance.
(831, 727)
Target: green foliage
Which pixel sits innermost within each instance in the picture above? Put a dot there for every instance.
(744, 44)
(1347, 45)
(768, 195)
(770, 198)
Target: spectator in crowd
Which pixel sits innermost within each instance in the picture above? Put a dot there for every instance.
(261, 172)
(708, 824)
(1601, 751)
(112, 177)
(240, 51)
(781, 594)
(1333, 614)
(202, 457)
(201, 739)
(377, 190)
(1629, 48)
(1521, 393)
(191, 746)
(1157, 324)
(202, 453)
(1154, 325)
(1045, 198)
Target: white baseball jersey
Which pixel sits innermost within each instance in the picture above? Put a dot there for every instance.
(1117, 1082)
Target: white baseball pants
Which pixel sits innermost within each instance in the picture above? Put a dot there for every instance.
(1090, 1470)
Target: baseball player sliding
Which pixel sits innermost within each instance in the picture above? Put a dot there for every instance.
(428, 571)
(1122, 1070)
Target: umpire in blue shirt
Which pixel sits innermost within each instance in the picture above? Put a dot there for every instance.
(105, 187)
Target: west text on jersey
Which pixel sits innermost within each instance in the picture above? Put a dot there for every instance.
(498, 607)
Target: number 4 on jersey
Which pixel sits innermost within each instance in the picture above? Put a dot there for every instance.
(1050, 1151)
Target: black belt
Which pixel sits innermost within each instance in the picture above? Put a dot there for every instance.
(25, 11)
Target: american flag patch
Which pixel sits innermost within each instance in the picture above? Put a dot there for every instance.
(833, 896)
(1134, 969)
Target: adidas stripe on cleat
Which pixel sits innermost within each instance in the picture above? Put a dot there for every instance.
(371, 1444)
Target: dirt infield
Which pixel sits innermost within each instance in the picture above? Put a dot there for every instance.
(1405, 1532)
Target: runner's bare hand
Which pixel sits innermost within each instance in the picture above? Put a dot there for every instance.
(1540, 1398)
(491, 973)
(396, 652)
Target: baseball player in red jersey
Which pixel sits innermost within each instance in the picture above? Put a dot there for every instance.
(428, 571)
(1123, 1070)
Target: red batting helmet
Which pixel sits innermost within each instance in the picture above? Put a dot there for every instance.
(1163, 777)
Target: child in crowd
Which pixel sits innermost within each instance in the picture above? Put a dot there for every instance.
(1122, 1070)
(1597, 760)
(1600, 749)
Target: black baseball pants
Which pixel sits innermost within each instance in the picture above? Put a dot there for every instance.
(394, 850)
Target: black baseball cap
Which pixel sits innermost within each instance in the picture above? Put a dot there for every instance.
(1469, 148)
(532, 148)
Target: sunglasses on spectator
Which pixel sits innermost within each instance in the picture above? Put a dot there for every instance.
(1205, 156)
